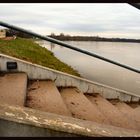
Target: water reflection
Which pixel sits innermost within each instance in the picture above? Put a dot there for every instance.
(52, 45)
(98, 70)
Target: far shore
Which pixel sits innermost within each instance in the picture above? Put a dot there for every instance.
(63, 37)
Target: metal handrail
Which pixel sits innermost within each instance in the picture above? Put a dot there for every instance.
(68, 46)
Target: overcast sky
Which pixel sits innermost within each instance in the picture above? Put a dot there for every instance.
(103, 19)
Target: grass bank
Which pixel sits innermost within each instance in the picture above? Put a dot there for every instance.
(28, 50)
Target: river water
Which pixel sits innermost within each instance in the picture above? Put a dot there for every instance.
(98, 70)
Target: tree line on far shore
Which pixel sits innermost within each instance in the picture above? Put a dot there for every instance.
(63, 37)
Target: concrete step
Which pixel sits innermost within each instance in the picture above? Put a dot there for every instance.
(133, 113)
(44, 95)
(116, 117)
(129, 112)
(137, 109)
(123, 107)
(80, 106)
(136, 114)
(13, 88)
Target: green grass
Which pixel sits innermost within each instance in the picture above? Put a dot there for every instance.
(28, 50)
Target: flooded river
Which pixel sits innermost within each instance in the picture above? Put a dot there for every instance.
(98, 70)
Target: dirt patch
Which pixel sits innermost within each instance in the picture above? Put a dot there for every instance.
(8, 38)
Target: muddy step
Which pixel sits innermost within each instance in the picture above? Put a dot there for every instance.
(129, 112)
(123, 107)
(80, 106)
(112, 113)
(13, 88)
(136, 114)
(133, 113)
(44, 95)
(137, 109)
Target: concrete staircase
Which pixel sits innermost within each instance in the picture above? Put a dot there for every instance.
(17, 89)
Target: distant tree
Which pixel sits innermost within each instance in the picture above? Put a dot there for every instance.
(62, 34)
(52, 34)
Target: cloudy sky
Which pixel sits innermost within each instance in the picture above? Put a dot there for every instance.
(102, 19)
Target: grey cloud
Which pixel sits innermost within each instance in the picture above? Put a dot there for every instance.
(73, 18)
